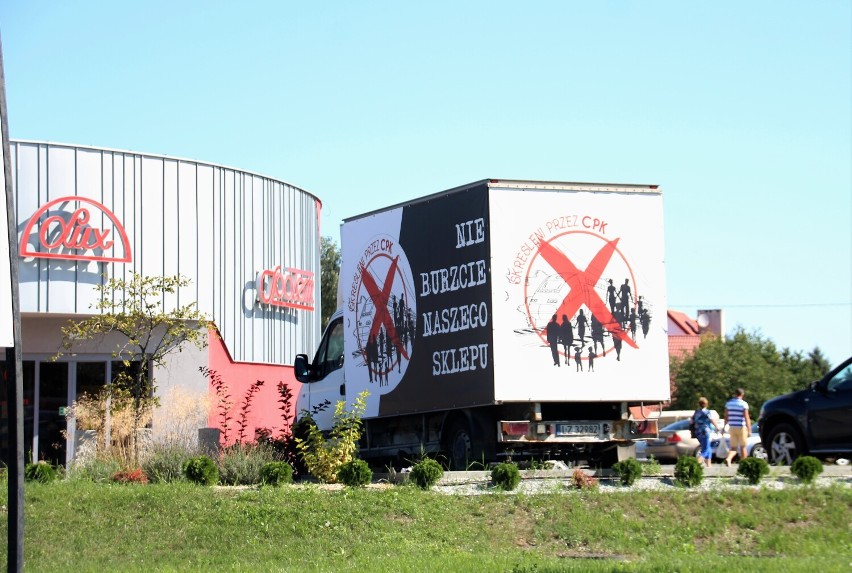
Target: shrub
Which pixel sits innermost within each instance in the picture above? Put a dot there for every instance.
(806, 468)
(688, 471)
(628, 470)
(130, 476)
(201, 470)
(240, 464)
(98, 469)
(426, 473)
(324, 456)
(581, 480)
(753, 469)
(276, 473)
(163, 462)
(506, 476)
(355, 473)
(40, 471)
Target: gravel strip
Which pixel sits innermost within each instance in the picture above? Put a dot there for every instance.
(607, 485)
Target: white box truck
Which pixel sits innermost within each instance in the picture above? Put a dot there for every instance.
(499, 318)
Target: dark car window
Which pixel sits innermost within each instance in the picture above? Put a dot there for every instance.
(842, 381)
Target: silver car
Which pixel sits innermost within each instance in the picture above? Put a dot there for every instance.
(673, 442)
(754, 447)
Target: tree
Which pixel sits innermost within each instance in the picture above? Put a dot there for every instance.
(719, 366)
(330, 276)
(131, 316)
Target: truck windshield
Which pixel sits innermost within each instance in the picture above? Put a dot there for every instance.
(330, 354)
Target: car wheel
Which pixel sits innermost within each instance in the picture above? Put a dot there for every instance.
(759, 452)
(785, 444)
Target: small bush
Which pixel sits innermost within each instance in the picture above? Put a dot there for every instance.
(201, 470)
(688, 471)
(506, 476)
(240, 464)
(130, 476)
(581, 480)
(355, 473)
(426, 473)
(276, 473)
(163, 463)
(98, 469)
(753, 469)
(806, 468)
(323, 455)
(40, 471)
(628, 470)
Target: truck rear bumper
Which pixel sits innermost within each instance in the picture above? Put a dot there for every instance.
(574, 431)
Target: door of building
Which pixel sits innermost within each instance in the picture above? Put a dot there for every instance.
(51, 388)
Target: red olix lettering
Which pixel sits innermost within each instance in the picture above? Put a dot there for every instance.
(74, 234)
(72, 237)
(291, 288)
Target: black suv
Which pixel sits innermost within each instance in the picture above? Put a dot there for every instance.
(817, 420)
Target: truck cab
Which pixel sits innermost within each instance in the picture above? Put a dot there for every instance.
(323, 381)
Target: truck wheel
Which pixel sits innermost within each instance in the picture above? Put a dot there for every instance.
(460, 444)
(785, 444)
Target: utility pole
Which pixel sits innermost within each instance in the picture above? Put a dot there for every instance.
(10, 337)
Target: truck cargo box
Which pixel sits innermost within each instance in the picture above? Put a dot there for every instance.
(507, 291)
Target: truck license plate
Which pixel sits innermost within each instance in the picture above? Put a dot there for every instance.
(578, 429)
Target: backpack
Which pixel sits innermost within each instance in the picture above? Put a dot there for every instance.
(694, 427)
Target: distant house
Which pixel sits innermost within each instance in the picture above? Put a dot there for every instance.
(685, 332)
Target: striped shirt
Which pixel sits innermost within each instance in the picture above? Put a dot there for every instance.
(736, 408)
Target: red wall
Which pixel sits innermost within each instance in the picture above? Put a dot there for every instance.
(238, 377)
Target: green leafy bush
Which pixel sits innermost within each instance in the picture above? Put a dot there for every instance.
(355, 473)
(806, 468)
(753, 469)
(426, 473)
(628, 470)
(688, 471)
(506, 476)
(240, 464)
(201, 470)
(40, 471)
(581, 480)
(324, 456)
(130, 476)
(276, 473)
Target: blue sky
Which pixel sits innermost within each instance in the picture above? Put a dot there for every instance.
(740, 111)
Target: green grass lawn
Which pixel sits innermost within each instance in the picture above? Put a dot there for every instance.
(81, 526)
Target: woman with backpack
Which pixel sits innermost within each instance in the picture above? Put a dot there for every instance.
(703, 425)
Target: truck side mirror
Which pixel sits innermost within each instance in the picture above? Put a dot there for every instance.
(302, 368)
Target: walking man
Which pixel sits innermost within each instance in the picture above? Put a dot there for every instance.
(739, 425)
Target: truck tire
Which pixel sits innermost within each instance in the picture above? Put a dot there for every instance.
(462, 445)
(784, 445)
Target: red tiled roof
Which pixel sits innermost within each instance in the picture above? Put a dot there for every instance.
(686, 324)
(681, 345)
